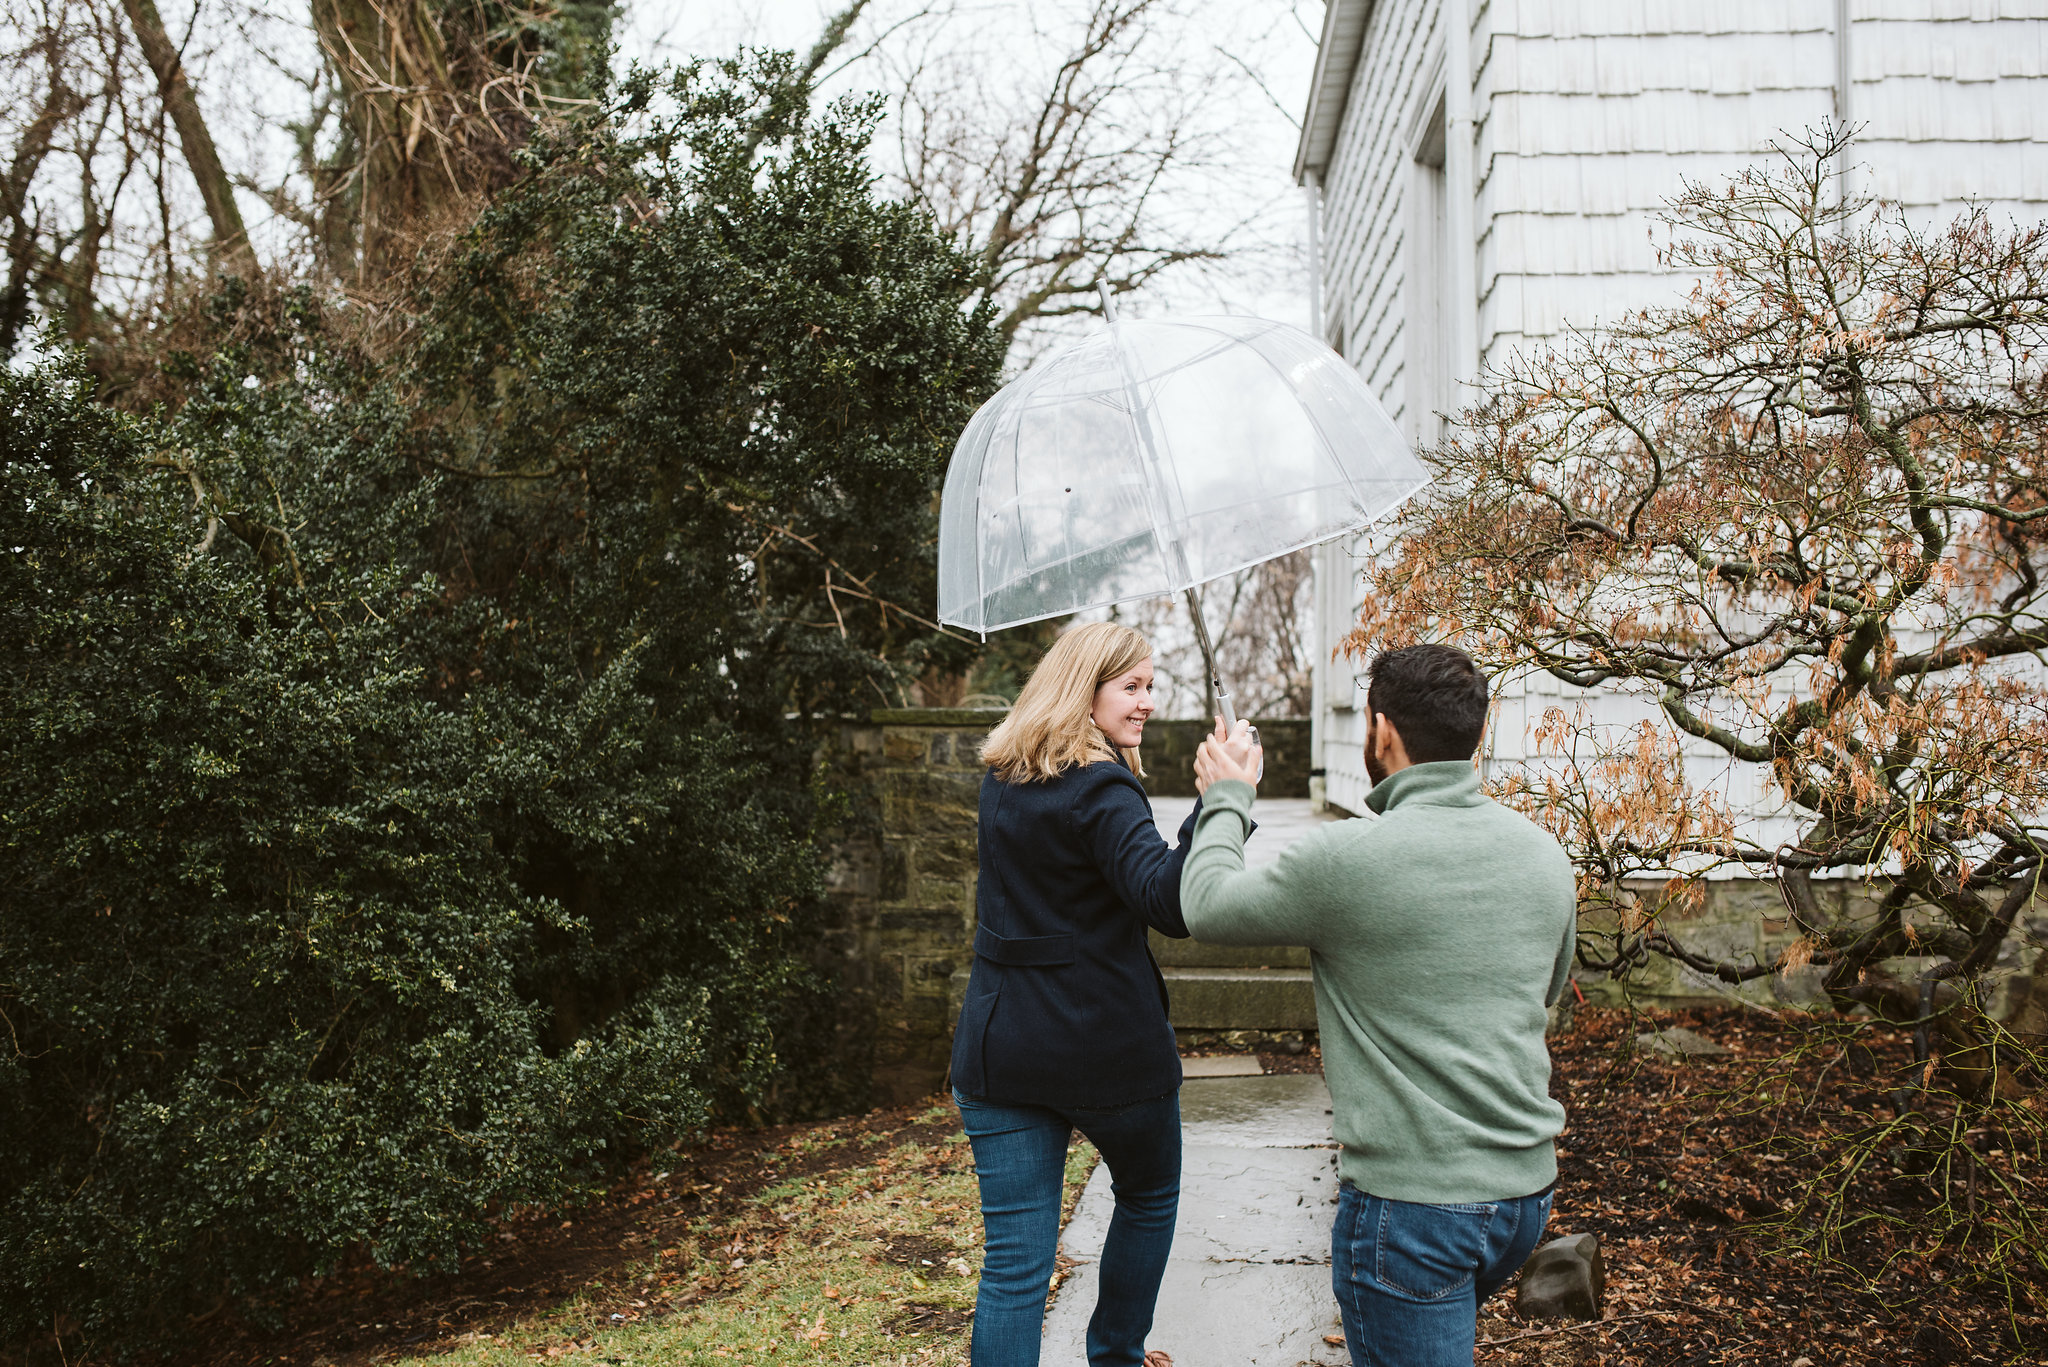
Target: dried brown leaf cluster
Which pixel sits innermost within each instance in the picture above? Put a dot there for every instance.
(1802, 513)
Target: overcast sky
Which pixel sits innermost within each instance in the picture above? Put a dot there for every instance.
(1255, 55)
(1242, 68)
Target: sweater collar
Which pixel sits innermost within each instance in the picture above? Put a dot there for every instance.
(1445, 783)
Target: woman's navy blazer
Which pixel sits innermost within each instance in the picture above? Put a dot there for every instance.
(1065, 1005)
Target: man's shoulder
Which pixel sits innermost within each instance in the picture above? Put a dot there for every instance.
(1485, 821)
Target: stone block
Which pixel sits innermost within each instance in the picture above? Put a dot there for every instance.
(901, 1081)
(1195, 954)
(931, 973)
(910, 815)
(1222, 1065)
(1240, 998)
(941, 892)
(892, 878)
(1675, 1041)
(852, 871)
(1800, 986)
(924, 923)
(957, 750)
(980, 719)
(940, 856)
(1563, 1280)
(924, 802)
(1742, 897)
(903, 746)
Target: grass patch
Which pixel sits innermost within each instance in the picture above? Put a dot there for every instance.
(857, 1250)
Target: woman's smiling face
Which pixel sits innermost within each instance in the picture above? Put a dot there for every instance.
(1122, 704)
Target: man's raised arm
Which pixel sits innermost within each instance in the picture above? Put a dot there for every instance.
(1226, 903)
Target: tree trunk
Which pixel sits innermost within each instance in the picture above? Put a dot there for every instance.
(230, 238)
(22, 248)
(392, 62)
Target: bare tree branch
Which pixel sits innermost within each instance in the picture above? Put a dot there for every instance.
(230, 237)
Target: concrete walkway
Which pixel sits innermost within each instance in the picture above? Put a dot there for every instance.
(1249, 1280)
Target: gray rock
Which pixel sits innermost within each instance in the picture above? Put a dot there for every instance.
(1678, 1042)
(1563, 1280)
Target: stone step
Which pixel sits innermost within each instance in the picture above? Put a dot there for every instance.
(1240, 998)
(1194, 954)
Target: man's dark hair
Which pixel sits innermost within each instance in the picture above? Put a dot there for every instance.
(1435, 697)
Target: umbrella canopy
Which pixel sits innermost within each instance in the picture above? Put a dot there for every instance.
(1154, 456)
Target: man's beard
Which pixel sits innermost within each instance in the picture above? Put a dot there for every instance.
(1375, 769)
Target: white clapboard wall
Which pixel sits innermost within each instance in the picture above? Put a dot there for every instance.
(1587, 116)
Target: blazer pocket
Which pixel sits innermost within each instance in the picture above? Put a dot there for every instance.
(1024, 951)
(971, 1041)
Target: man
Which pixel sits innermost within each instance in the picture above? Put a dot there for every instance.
(1439, 932)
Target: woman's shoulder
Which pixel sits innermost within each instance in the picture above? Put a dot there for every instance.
(1105, 785)
(1105, 769)
(1074, 782)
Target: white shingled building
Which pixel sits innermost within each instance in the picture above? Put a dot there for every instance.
(1486, 171)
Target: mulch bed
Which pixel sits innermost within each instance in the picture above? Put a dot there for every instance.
(1679, 1171)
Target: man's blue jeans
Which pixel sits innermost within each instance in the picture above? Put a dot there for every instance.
(1020, 1155)
(1410, 1278)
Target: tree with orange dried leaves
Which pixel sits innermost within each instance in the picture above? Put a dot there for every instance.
(1805, 514)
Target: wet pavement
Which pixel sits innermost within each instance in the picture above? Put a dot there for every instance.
(1248, 1284)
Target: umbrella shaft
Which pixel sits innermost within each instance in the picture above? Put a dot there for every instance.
(1209, 662)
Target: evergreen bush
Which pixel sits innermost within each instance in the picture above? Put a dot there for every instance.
(406, 745)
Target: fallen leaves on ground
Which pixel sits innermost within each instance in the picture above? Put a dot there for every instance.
(1679, 1166)
(854, 1241)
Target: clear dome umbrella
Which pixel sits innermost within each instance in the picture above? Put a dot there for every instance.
(1153, 457)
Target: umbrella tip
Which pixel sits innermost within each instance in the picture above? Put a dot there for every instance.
(1108, 301)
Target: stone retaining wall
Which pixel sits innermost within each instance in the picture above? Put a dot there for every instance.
(901, 892)
(901, 884)
(1169, 757)
(1744, 921)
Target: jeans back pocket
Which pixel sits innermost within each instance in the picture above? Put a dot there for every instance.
(1428, 1252)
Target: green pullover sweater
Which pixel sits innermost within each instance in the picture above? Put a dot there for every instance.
(1438, 933)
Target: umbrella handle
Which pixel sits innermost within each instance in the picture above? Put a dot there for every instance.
(1215, 679)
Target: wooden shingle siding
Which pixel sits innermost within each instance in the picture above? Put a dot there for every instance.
(1364, 222)
(1588, 115)
(1953, 99)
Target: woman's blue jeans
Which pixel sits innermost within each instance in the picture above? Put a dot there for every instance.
(1410, 1278)
(1020, 1155)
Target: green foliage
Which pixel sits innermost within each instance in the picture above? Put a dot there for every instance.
(405, 749)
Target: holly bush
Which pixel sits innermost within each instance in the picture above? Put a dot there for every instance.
(407, 778)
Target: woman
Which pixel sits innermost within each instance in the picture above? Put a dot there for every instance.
(1065, 1024)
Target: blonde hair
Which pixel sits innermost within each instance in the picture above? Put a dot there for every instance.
(1052, 727)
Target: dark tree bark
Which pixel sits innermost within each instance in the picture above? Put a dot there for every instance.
(59, 103)
(230, 239)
